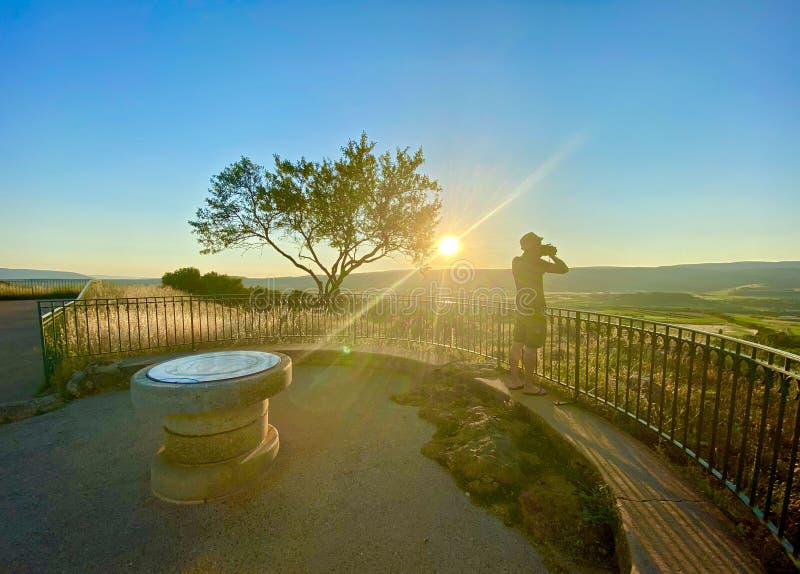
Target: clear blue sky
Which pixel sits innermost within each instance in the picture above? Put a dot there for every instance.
(113, 116)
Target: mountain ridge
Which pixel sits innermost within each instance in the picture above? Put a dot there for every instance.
(685, 277)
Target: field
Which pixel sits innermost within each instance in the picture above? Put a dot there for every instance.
(768, 317)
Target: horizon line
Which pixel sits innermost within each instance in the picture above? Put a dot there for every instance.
(299, 276)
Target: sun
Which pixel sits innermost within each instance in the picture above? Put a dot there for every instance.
(448, 245)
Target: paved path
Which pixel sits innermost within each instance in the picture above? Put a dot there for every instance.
(62, 489)
(670, 528)
(349, 492)
(20, 351)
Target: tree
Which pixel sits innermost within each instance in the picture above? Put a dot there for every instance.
(327, 218)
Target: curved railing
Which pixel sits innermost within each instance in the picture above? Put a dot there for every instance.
(729, 404)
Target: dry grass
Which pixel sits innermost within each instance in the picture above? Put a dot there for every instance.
(38, 290)
(109, 290)
(117, 322)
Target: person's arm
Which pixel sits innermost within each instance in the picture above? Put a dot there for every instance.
(558, 266)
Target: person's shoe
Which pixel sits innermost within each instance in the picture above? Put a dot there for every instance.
(514, 384)
(533, 390)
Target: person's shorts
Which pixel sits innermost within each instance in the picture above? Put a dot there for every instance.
(530, 330)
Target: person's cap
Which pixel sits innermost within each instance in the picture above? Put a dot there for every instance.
(529, 240)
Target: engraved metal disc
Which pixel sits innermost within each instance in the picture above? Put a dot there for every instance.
(210, 367)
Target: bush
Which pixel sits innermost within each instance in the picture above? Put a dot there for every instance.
(189, 279)
(184, 279)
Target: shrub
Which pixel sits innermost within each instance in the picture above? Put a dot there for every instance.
(184, 279)
(189, 279)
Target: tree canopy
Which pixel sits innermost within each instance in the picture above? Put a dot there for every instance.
(327, 218)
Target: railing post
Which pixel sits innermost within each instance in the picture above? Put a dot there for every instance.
(353, 321)
(191, 319)
(577, 352)
(45, 361)
(497, 337)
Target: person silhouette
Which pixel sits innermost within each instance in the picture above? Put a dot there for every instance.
(530, 325)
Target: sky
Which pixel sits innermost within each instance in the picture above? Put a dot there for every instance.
(671, 131)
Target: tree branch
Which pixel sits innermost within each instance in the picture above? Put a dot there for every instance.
(265, 236)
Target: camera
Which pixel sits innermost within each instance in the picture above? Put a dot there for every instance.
(548, 249)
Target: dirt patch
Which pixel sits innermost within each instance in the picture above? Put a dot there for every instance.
(20, 410)
(509, 461)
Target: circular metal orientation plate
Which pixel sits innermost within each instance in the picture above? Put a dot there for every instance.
(210, 367)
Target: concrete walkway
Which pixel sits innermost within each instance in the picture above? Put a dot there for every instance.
(349, 492)
(20, 351)
(670, 528)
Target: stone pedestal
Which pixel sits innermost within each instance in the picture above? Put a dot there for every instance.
(214, 407)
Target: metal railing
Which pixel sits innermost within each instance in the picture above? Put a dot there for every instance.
(729, 404)
(40, 288)
(53, 311)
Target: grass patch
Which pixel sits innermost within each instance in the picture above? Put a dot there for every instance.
(20, 289)
(511, 463)
(110, 290)
(22, 295)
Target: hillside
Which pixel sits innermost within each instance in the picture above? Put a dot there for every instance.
(741, 279)
(6, 273)
(763, 277)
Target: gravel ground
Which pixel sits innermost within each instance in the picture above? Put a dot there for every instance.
(348, 492)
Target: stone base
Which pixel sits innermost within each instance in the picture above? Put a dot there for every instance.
(195, 484)
(215, 437)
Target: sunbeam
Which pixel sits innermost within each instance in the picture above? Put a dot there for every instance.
(537, 175)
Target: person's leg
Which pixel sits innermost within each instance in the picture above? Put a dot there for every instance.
(530, 361)
(514, 357)
(515, 354)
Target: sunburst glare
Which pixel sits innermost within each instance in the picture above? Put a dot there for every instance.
(448, 245)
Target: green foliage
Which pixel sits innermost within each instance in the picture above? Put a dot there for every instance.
(216, 284)
(598, 505)
(360, 208)
(184, 279)
(189, 279)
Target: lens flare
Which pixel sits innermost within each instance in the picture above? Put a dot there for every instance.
(448, 245)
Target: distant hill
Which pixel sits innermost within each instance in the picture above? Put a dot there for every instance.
(6, 273)
(745, 278)
(766, 277)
